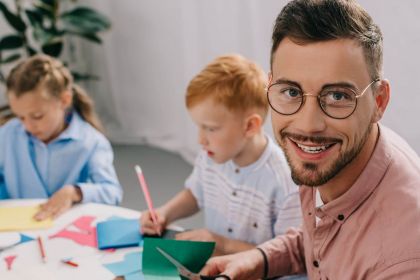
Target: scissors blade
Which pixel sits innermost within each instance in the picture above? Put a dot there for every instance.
(181, 268)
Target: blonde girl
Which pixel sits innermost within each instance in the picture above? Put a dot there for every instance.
(54, 148)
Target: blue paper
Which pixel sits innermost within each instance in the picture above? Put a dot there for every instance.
(131, 264)
(25, 238)
(118, 233)
(134, 276)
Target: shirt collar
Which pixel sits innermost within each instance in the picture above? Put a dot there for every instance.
(342, 207)
(261, 160)
(73, 130)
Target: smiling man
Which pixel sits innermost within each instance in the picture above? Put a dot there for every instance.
(359, 181)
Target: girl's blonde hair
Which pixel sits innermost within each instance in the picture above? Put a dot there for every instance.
(44, 71)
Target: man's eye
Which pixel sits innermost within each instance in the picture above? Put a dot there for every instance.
(292, 92)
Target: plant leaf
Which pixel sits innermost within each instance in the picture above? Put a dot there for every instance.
(34, 16)
(11, 58)
(30, 50)
(53, 49)
(88, 36)
(45, 8)
(11, 42)
(85, 20)
(14, 20)
(83, 76)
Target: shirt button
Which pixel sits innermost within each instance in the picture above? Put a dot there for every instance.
(340, 217)
(237, 170)
(316, 264)
(255, 225)
(234, 193)
(230, 230)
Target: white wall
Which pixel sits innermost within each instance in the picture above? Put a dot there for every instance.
(156, 47)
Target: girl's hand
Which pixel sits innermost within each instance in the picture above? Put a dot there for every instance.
(148, 227)
(59, 202)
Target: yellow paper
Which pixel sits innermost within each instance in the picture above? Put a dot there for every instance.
(21, 218)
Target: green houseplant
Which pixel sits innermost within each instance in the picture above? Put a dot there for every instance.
(43, 26)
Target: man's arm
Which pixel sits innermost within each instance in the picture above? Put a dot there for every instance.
(404, 270)
(285, 254)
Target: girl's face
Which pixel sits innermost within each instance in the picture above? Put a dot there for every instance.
(42, 115)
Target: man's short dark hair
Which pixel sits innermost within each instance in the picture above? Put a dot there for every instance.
(306, 21)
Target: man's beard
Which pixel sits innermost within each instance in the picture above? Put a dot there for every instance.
(321, 177)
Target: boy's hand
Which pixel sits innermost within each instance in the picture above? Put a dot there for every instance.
(147, 226)
(59, 202)
(203, 235)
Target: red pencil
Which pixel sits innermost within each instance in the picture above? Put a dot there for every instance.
(69, 262)
(147, 196)
(42, 249)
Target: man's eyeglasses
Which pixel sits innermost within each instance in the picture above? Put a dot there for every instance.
(337, 101)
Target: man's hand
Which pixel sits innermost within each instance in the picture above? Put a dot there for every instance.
(59, 202)
(241, 266)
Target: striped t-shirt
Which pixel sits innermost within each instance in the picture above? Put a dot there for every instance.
(252, 203)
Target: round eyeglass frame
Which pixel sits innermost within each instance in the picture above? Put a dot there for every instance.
(357, 96)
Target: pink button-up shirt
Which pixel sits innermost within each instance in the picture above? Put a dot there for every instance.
(370, 232)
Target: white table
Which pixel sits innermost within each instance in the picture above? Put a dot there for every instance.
(29, 265)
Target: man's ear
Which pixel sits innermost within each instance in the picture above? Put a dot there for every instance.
(382, 95)
(253, 124)
(66, 98)
(270, 78)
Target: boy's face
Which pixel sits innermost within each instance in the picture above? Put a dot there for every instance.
(317, 146)
(42, 116)
(221, 132)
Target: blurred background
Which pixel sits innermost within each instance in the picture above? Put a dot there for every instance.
(152, 49)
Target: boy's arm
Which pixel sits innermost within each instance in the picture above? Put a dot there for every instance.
(224, 245)
(182, 205)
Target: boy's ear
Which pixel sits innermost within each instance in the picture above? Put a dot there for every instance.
(253, 124)
(381, 96)
(66, 98)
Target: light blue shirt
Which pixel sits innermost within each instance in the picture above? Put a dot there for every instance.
(80, 156)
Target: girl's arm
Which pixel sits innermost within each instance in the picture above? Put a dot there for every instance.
(103, 185)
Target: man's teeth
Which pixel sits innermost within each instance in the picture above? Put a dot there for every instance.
(311, 149)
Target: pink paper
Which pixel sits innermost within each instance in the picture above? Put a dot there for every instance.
(85, 234)
(9, 261)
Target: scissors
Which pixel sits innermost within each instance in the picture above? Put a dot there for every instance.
(185, 272)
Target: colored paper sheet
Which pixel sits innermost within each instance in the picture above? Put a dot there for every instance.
(21, 218)
(134, 276)
(192, 254)
(131, 264)
(118, 233)
(25, 238)
(9, 261)
(80, 231)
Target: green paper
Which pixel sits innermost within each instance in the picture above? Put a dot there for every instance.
(192, 254)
